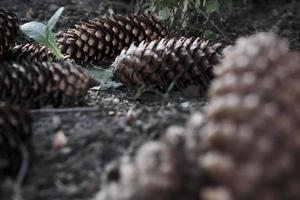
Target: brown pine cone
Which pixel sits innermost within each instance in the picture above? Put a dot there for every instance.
(9, 26)
(252, 137)
(105, 37)
(36, 85)
(163, 170)
(31, 52)
(157, 64)
(15, 139)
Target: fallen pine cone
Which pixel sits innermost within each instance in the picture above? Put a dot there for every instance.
(159, 63)
(9, 26)
(31, 52)
(252, 137)
(15, 139)
(163, 170)
(36, 85)
(105, 37)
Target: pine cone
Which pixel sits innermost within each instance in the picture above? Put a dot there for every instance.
(162, 170)
(36, 85)
(9, 26)
(185, 61)
(105, 37)
(253, 130)
(15, 139)
(30, 52)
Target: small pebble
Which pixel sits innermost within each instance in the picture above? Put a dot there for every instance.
(130, 116)
(56, 122)
(115, 101)
(185, 106)
(59, 140)
(111, 113)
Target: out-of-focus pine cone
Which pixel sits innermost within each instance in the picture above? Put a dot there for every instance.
(9, 26)
(44, 83)
(105, 37)
(252, 137)
(162, 170)
(31, 52)
(15, 139)
(157, 64)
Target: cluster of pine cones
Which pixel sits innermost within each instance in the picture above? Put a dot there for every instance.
(32, 77)
(246, 145)
(147, 55)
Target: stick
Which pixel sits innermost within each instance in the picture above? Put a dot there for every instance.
(21, 174)
(64, 110)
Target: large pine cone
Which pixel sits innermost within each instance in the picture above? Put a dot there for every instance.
(157, 64)
(31, 52)
(9, 26)
(163, 170)
(40, 84)
(105, 37)
(253, 130)
(15, 139)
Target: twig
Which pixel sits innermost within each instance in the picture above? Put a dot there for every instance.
(143, 89)
(64, 110)
(172, 85)
(22, 172)
(213, 24)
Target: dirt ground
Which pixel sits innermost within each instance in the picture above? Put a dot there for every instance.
(116, 123)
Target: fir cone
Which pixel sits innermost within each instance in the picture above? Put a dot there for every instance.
(31, 52)
(164, 170)
(157, 64)
(252, 137)
(9, 26)
(36, 85)
(15, 139)
(105, 37)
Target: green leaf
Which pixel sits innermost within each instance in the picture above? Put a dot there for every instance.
(35, 30)
(104, 76)
(212, 6)
(164, 13)
(53, 20)
(51, 44)
(42, 33)
(209, 35)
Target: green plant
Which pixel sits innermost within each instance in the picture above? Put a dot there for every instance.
(42, 33)
(182, 13)
(104, 76)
